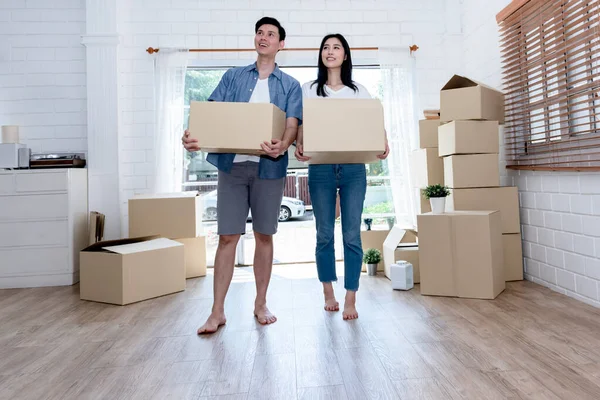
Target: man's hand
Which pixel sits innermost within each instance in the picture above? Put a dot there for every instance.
(190, 144)
(275, 148)
(300, 153)
(385, 153)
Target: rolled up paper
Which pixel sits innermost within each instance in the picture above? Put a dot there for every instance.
(10, 134)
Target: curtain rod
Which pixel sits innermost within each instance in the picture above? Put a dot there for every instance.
(152, 50)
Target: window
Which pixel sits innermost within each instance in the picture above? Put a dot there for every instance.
(551, 71)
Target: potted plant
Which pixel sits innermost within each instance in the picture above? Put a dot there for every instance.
(436, 194)
(372, 257)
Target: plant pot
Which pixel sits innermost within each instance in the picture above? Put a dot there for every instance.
(372, 269)
(438, 205)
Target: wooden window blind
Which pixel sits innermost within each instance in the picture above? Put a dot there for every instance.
(550, 53)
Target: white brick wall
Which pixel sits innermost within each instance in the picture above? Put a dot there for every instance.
(434, 25)
(42, 73)
(560, 211)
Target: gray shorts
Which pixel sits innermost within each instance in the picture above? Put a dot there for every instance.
(242, 191)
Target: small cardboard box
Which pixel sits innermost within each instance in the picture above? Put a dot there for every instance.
(338, 131)
(409, 253)
(171, 215)
(504, 199)
(373, 239)
(427, 168)
(463, 99)
(472, 171)
(461, 254)
(468, 137)
(195, 256)
(428, 133)
(227, 127)
(513, 257)
(397, 237)
(422, 203)
(131, 270)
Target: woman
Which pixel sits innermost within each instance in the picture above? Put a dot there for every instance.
(334, 80)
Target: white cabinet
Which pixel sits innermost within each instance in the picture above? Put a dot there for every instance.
(43, 226)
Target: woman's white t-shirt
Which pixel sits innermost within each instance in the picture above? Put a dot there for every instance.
(309, 91)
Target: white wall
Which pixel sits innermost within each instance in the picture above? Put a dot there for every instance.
(434, 25)
(42, 73)
(560, 212)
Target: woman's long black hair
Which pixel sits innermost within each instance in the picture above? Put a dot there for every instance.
(346, 73)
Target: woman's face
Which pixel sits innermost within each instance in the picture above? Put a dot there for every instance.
(333, 54)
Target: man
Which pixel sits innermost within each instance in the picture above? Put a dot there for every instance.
(249, 182)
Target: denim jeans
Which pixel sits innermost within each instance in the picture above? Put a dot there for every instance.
(324, 181)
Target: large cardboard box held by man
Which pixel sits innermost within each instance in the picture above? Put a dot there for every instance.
(131, 270)
(472, 171)
(504, 199)
(468, 137)
(463, 99)
(461, 254)
(427, 168)
(229, 127)
(338, 131)
(171, 215)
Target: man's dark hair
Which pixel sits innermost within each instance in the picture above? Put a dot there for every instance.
(270, 21)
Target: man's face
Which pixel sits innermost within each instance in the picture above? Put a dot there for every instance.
(266, 40)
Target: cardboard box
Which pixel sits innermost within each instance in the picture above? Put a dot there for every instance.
(373, 239)
(428, 133)
(504, 199)
(338, 131)
(461, 254)
(171, 215)
(223, 127)
(463, 99)
(423, 204)
(472, 171)
(396, 237)
(468, 137)
(513, 257)
(410, 253)
(427, 168)
(131, 270)
(195, 256)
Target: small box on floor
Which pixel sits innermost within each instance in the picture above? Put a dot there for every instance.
(409, 252)
(338, 131)
(472, 171)
(402, 275)
(513, 257)
(230, 127)
(171, 215)
(401, 244)
(131, 270)
(463, 99)
(461, 254)
(195, 256)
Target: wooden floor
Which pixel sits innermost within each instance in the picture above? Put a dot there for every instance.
(529, 343)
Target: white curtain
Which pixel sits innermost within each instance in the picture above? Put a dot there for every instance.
(169, 83)
(400, 101)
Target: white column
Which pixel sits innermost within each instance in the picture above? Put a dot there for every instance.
(101, 41)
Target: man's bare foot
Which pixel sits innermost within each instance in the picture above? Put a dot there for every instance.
(331, 303)
(212, 324)
(263, 315)
(350, 306)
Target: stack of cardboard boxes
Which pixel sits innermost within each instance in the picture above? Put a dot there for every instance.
(476, 246)
(165, 248)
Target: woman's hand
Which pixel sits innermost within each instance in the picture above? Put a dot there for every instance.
(300, 153)
(385, 153)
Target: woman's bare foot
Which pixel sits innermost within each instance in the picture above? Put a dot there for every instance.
(212, 324)
(263, 315)
(331, 303)
(350, 306)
